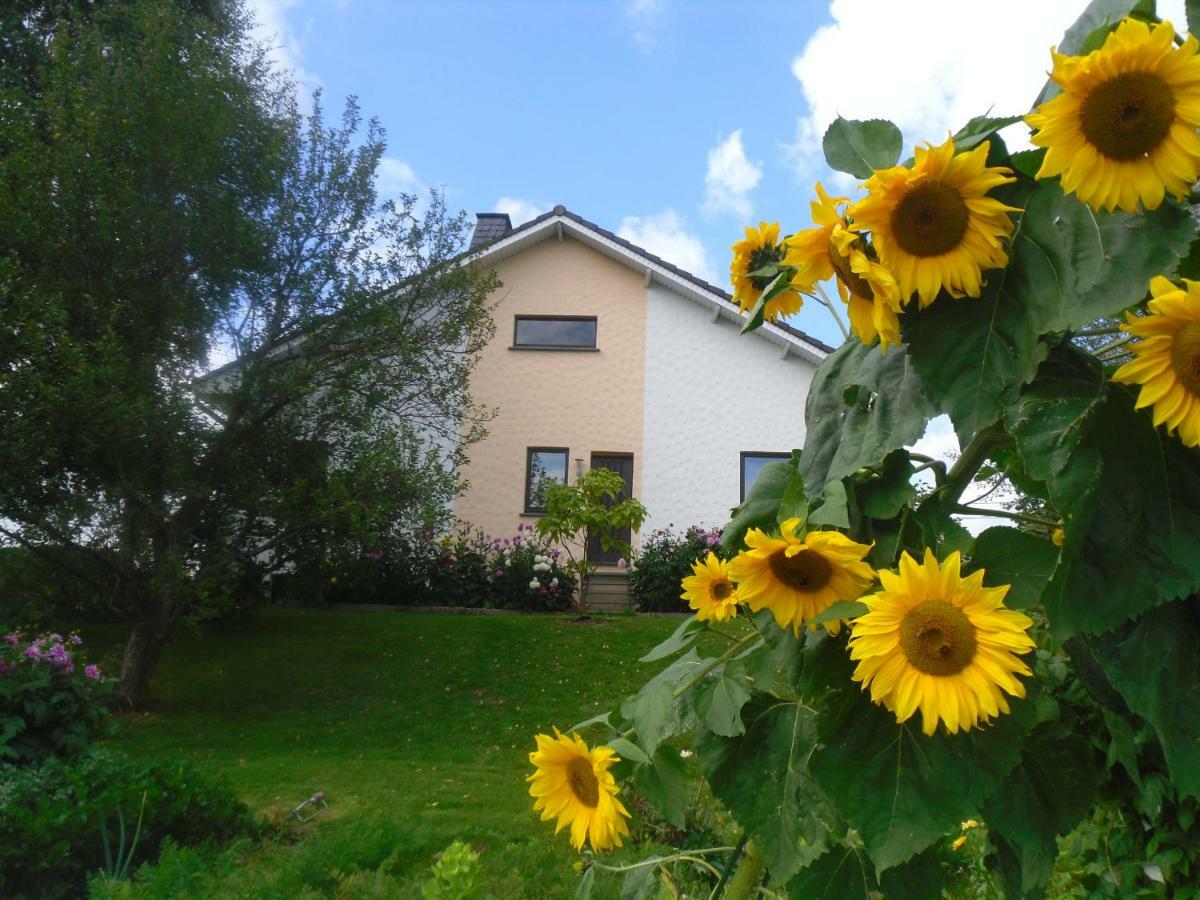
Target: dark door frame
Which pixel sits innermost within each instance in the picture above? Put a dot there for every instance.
(595, 553)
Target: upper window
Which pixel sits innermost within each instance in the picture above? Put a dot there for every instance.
(555, 332)
(753, 463)
(543, 467)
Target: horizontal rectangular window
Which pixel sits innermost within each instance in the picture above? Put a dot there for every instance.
(543, 466)
(546, 332)
(753, 463)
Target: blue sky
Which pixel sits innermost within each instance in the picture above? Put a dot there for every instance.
(672, 122)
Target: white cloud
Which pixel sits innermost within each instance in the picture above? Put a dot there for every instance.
(929, 66)
(730, 178)
(520, 210)
(272, 28)
(644, 17)
(395, 177)
(664, 234)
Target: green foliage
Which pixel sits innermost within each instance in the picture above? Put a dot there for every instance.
(53, 816)
(762, 505)
(455, 874)
(860, 147)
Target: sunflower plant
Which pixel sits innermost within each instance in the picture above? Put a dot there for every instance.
(882, 675)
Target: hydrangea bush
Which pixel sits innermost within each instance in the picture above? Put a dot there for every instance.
(664, 559)
(52, 702)
(898, 676)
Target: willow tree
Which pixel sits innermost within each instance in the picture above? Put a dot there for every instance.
(166, 204)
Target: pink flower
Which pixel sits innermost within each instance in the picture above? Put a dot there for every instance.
(92, 672)
(75, 640)
(621, 564)
(13, 638)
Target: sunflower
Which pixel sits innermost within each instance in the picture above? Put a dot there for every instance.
(574, 784)
(1167, 363)
(798, 579)
(935, 641)
(710, 591)
(760, 248)
(810, 251)
(868, 289)
(1124, 126)
(933, 225)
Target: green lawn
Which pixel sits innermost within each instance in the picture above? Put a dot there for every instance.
(416, 727)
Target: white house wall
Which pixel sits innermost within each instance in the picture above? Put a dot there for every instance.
(710, 394)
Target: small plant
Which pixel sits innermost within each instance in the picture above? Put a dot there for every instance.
(51, 702)
(590, 506)
(664, 560)
(454, 874)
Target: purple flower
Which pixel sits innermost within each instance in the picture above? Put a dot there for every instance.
(33, 651)
(92, 672)
(554, 554)
(499, 572)
(75, 640)
(3, 667)
(55, 637)
(13, 638)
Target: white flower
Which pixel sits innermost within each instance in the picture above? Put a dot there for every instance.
(534, 585)
(685, 753)
(621, 564)
(553, 582)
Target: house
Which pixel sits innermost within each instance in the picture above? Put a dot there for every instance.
(607, 355)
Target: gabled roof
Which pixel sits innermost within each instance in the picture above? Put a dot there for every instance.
(560, 221)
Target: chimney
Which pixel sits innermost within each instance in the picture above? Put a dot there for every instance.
(489, 228)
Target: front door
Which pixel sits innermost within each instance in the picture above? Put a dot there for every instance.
(622, 464)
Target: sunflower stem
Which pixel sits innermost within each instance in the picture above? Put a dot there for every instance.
(749, 873)
(1096, 332)
(965, 510)
(963, 471)
(729, 865)
(1112, 345)
(686, 856)
(832, 311)
(712, 664)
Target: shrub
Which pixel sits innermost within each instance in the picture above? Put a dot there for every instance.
(51, 702)
(663, 561)
(52, 816)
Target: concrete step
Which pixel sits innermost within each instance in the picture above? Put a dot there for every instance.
(608, 591)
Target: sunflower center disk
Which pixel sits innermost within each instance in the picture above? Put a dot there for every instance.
(763, 256)
(721, 590)
(583, 783)
(1185, 357)
(851, 279)
(1128, 115)
(930, 220)
(938, 638)
(806, 571)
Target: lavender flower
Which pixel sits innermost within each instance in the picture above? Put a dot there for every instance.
(12, 639)
(92, 672)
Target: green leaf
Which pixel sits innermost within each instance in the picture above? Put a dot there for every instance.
(1098, 14)
(834, 510)
(903, 789)
(775, 665)
(641, 883)
(627, 750)
(1016, 558)
(762, 504)
(860, 147)
(718, 701)
(681, 638)
(842, 609)
(664, 783)
(1154, 665)
(842, 872)
(584, 891)
(929, 525)
(601, 719)
(861, 406)
(1146, 486)
(778, 285)
(763, 778)
(1045, 796)
(920, 877)
(652, 712)
(1092, 264)
(979, 129)
(884, 496)
(793, 504)
(1192, 10)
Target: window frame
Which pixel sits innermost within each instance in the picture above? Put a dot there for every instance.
(518, 318)
(774, 455)
(529, 451)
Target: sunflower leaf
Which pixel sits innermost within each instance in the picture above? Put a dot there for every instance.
(627, 750)
(1046, 795)
(762, 504)
(1167, 692)
(762, 776)
(862, 405)
(1016, 558)
(979, 129)
(681, 638)
(891, 490)
(652, 712)
(841, 609)
(859, 147)
(1192, 9)
(777, 286)
(1098, 14)
(718, 701)
(842, 872)
(663, 781)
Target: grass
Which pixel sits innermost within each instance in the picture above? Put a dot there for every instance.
(416, 726)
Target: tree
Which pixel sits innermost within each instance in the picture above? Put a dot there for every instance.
(587, 507)
(165, 201)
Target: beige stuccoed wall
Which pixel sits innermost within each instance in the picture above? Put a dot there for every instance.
(591, 402)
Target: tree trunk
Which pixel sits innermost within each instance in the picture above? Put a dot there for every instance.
(142, 652)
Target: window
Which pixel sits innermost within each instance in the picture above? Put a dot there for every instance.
(555, 333)
(753, 462)
(543, 466)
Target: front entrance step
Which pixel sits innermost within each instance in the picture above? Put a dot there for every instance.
(608, 591)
